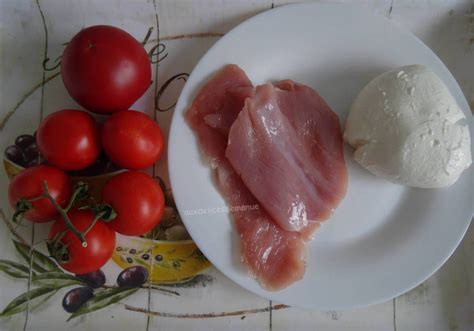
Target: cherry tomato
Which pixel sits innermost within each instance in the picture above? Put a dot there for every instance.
(29, 184)
(138, 201)
(69, 139)
(105, 69)
(100, 242)
(132, 140)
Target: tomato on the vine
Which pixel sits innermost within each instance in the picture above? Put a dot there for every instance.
(105, 69)
(28, 184)
(132, 140)
(137, 200)
(69, 139)
(100, 242)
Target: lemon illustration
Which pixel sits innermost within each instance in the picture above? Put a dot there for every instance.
(169, 261)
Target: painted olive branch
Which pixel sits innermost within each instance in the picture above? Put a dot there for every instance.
(208, 315)
(10, 113)
(12, 228)
(146, 286)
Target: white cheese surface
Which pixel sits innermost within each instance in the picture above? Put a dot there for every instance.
(406, 127)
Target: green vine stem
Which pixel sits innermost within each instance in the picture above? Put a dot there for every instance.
(63, 212)
(96, 218)
(102, 211)
(80, 193)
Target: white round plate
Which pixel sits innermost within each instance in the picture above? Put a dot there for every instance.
(383, 239)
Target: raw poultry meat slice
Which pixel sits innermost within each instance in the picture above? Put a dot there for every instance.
(223, 119)
(286, 144)
(275, 257)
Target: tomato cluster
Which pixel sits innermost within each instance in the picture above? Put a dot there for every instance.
(105, 70)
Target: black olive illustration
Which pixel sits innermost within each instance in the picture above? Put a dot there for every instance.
(132, 277)
(32, 163)
(15, 154)
(25, 140)
(145, 257)
(159, 258)
(94, 279)
(75, 298)
(129, 260)
(133, 251)
(31, 154)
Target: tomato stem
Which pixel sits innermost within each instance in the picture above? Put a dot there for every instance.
(80, 190)
(56, 249)
(21, 208)
(57, 238)
(36, 198)
(63, 213)
(96, 218)
(80, 193)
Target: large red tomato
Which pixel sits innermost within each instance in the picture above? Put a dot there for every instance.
(100, 242)
(138, 201)
(69, 139)
(29, 184)
(105, 69)
(132, 140)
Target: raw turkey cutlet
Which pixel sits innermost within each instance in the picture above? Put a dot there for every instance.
(287, 146)
(275, 257)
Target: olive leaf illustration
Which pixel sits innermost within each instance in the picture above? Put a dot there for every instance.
(14, 269)
(20, 303)
(49, 283)
(56, 280)
(41, 263)
(103, 299)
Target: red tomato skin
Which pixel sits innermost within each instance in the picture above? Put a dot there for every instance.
(132, 140)
(138, 201)
(100, 242)
(28, 184)
(69, 139)
(105, 69)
